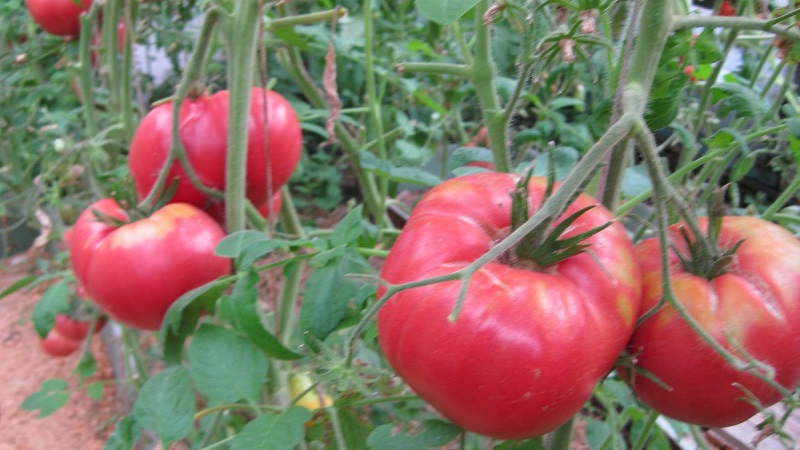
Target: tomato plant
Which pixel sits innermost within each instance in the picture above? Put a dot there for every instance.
(204, 136)
(74, 328)
(752, 310)
(56, 344)
(530, 343)
(59, 17)
(135, 271)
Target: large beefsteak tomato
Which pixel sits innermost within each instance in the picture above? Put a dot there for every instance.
(529, 345)
(752, 309)
(59, 17)
(135, 271)
(204, 136)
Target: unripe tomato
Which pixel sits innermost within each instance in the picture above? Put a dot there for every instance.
(528, 346)
(204, 135)
(59, 17)
(298, 383)
(754, 308)
(58, 345)
(135, 271)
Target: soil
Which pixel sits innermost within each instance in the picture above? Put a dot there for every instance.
(83, 423)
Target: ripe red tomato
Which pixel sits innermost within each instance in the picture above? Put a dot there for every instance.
(59, 17)
(76, 329)
(529, 345)
(754, 306)
(56, 344)
(135, 271)
(727, 8)
(204, 135)
(277, 202)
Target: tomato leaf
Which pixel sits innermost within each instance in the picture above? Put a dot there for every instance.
(742, 100)
(349, 229)
(445, 12)
(240, 309)
(95, 390)
(434, 433)
(52, 395)
(226, 367)
(87, 366)
(17, 285)
(282, 431)
(182, 316)
(125, 435)
(166, 405)
(249, 246)
(54, 301)
(411, 175)
(328, 293)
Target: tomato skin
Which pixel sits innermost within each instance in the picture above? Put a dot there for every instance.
(135, 271)
(76, 329)
(528, 347)
(58, 345)
(87, 233)
(756, 303)
(58, 17)
(727, 9)
(277, 202)
(204, 135)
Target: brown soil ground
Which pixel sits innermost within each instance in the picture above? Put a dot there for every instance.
(83, 423)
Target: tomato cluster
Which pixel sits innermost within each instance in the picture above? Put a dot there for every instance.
(68, 334)
(272, 154)
(531, 342)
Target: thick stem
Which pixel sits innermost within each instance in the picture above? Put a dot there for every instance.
(483, 71)
(242, 48)
(561, 438)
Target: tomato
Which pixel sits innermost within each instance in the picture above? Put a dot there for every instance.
(204, 135)
(727, 8)
(754, 306)
(299, 383)
(56, 344)
(76, 329)
(59, 17)
(135, 271)
(529, 345)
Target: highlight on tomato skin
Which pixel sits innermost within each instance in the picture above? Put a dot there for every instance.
(754, 307)
(136, 270)
(528, 346)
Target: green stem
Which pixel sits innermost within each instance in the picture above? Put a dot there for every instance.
(375, 108)
(647, 428)
(292, 61)
(561, 438)
(482, 74)
(242, 48)
(785, 196)
(430, 68)
(112, 10)
(191, 73)
(308, 19)
(85, 72)
(737, 23)
(341, 443)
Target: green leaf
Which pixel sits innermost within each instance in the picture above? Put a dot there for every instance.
(226, 367)
(445, 12)
(349, 229)
(411, 175)
(281, 431)
(564, 158)
(54, 301)
(705, 49)
(125, 435)
(182, 316)
(565, 102)
(434, 433)
(635, 180)
(529, 444)
(740, 169)
(166, 405)
(462, 156)
(742, 100)
(95, 390)
(329, 292)
(52, 395)
(249, 246)
(87, 366)
(17, 285)
(240, 309)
